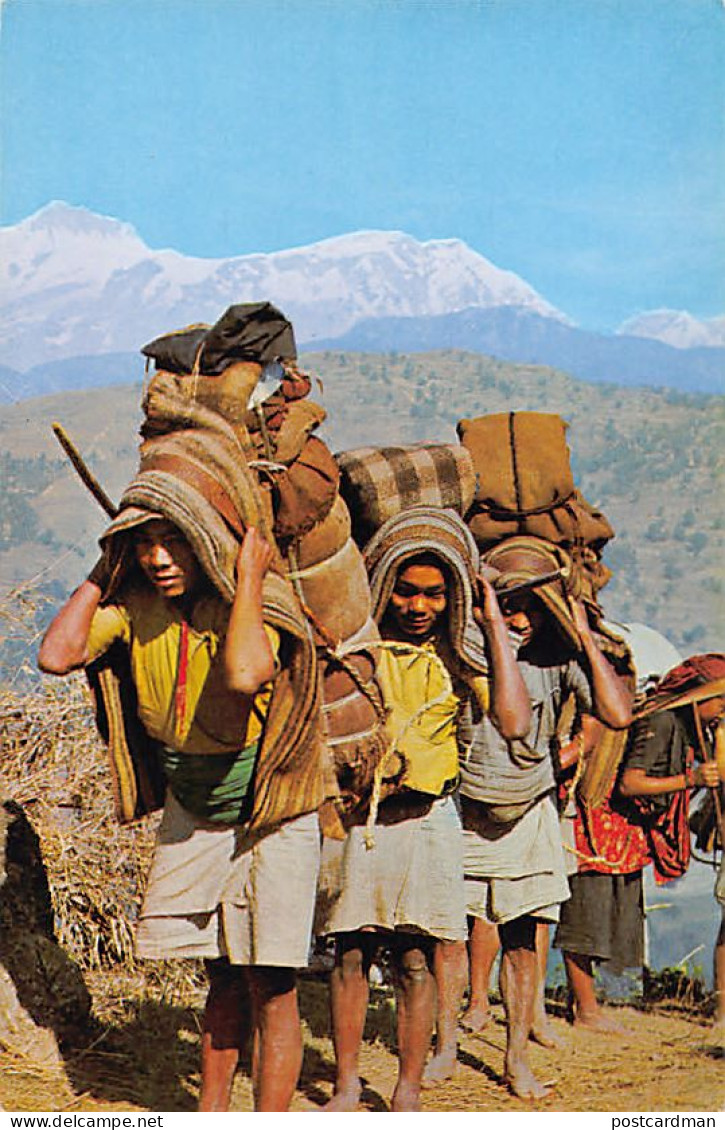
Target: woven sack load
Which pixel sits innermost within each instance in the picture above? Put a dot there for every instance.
(569, 523)
(354, 714)
(332, 581)
(526, 486)
(301, 513)
(380, 482)
(522, 461)
(326, 538)
(297, 473)
(337, 591)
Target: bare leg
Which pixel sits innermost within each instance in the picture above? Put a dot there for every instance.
(720, 983)
(518, 989)
(225, 1031)
(587, 1013)
(277, 1056)
(483, 946)
(541, 1030)
(415, 996)
(349, 993)
(450, 965)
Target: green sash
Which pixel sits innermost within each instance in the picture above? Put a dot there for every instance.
(213, 786)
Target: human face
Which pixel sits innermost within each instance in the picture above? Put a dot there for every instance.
(418, 600)
(524, 615)
(711, 710)
(166, 558)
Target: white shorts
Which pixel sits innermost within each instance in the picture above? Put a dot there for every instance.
(216, 892)
(518, 869)
(411, 880)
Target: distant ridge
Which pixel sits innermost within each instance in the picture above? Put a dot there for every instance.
(521, 336)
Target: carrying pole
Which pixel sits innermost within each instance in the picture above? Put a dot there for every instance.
(86, 476)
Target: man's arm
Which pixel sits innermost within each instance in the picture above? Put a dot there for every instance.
(611, 698)
(636, 782)
(64, 647)
(582, 745)
(248, 658)
(510, 707)
(652, 741)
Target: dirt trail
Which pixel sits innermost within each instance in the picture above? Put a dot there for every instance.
(146, 1059)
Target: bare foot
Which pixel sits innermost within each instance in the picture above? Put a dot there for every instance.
(439, 1068)
(600, 1022)
(521, 1080)
(543, 1033)
(345, 1098)
(405, 1097)
(475, 1018)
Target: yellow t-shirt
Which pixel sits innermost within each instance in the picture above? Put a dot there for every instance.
(214, 719)
(423, 715)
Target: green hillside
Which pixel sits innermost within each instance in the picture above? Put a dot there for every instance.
(651, 459)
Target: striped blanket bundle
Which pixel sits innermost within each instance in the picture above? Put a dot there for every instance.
(379, 482)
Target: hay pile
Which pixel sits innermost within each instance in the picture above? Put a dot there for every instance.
(53, 768)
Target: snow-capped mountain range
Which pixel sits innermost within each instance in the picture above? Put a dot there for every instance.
(73, 282)
(77, 285)
(677, 328)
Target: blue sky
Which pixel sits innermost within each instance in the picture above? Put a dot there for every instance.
(579, 143)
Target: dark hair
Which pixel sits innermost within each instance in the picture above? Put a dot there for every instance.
(426, 557)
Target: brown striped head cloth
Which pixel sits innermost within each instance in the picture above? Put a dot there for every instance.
(431, 530)
(519, 560)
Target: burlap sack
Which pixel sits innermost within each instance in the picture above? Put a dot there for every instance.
(280, 428)
(522, 461)
(326, 538)
(601, 767)
(489, 528)
(337, 591)
(571, 523)
(360, 654)
(303, 493)
(332, 581)
(591, 527)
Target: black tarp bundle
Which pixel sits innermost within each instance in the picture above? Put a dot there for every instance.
(250, 331)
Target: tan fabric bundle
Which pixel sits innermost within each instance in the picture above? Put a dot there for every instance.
(312, 525)
(333, 585)
(602, 766)
(303, 494)
(571, 523)
(602, 763)
(326, 538)
(522, 461)
(354, 714)
(589, 526)
(297, 474)
(380, 482)
(227, 394)
(337, 591)
(526, 487)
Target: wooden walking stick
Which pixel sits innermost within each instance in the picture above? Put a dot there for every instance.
(86, 476)
(717, 755)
